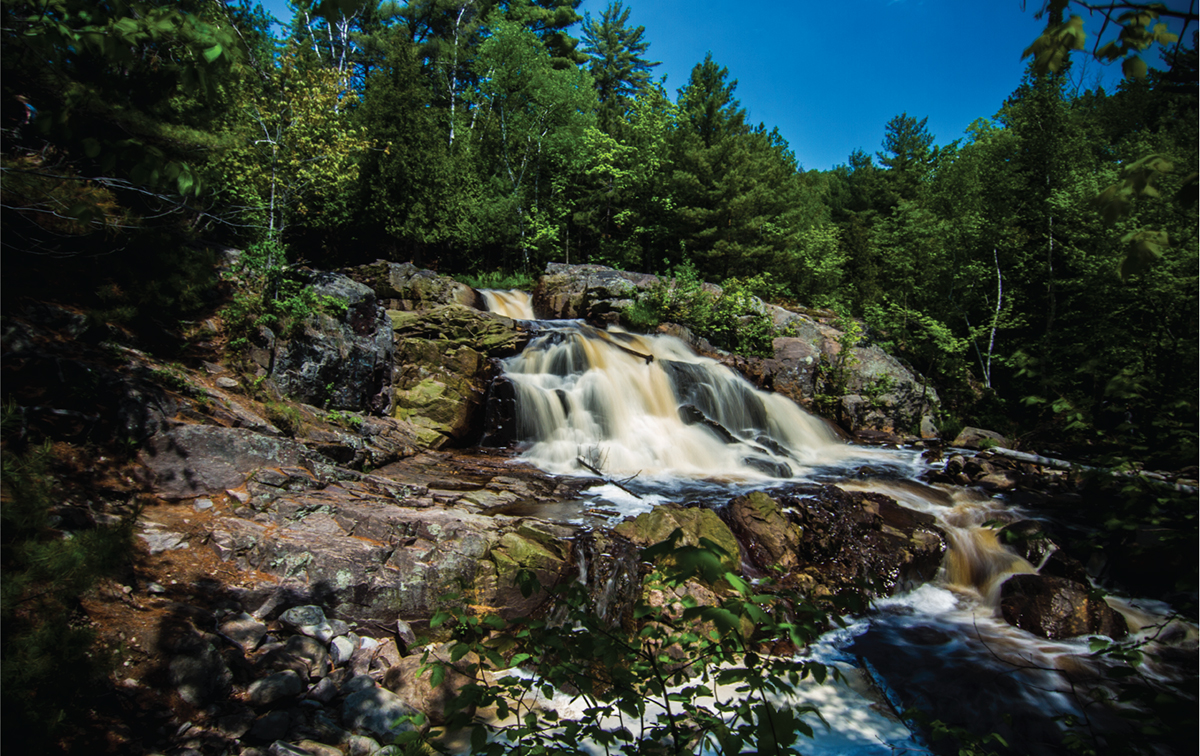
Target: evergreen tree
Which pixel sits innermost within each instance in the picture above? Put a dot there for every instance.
(616, 62)
(908, 155)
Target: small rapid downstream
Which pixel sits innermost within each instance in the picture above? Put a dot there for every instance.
(674, 426)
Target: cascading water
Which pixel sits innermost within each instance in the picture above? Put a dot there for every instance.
(511, 304)
(648, 408)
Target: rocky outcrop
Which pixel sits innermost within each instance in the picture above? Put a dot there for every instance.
(338, 361)
(591, 292)
(768, 537)
(404, 286)
(443, 367)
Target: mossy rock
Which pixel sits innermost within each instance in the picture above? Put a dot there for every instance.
(696, 523)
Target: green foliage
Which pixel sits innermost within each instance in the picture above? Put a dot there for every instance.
(42, 641)
(498, 279)
(833, 375)
(679, 678)
(347, 419)
(285, 417)
(267, 296)
(733, 319)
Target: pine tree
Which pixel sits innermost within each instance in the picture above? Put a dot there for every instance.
(616, 62)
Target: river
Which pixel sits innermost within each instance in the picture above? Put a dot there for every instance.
(670, 425)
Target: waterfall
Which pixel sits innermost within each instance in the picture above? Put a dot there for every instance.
(511, 304)
(648, 405)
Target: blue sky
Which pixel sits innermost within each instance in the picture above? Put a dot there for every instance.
(831, 75)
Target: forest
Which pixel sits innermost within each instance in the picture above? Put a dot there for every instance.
(1041, 270)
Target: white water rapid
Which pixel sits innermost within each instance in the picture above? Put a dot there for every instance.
(669, 423)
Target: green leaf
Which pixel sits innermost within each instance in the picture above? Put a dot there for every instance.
(1134, 68)
(212, 53)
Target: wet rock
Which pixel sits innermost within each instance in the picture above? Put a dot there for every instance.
(1055, 607)
(848, 538)
(1029, 539)
(769, 538)
(267, 690)
(444, 368)
(696, 523)
(542, 548)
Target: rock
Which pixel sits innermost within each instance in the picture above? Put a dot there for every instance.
(769, 538)
(303, 748)
(1028, 539)
(592, 292)
(1055, 607)
(324, 691)
(192, 460)
(267, 690)
(341, 649)
(361, 745)
(378, 713)
(199, 674)
(271, 726)
(312, 651)
(226, 382)
(414, 686)
(978, 438)
(309, 620)
(541, 548)
(245, 631)
(404, 286)
(848, 538)
(443, 370)
(657, 525)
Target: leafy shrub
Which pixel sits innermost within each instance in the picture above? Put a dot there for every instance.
(734, 319)
(267, 296)
(669, 676)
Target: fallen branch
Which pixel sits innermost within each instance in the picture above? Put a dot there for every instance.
(1060, 464)
(607, 479)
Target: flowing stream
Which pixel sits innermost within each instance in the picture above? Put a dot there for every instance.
(674, 426)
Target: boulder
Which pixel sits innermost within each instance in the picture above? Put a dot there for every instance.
(770, 540)
(378, 713)
(404, 286)
(410, 679)
(191, 460)
(591, 292)
(978, 438)
(1055, 607)
(540, 548)
(338, 361)
(655, 526)
(848, 538)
